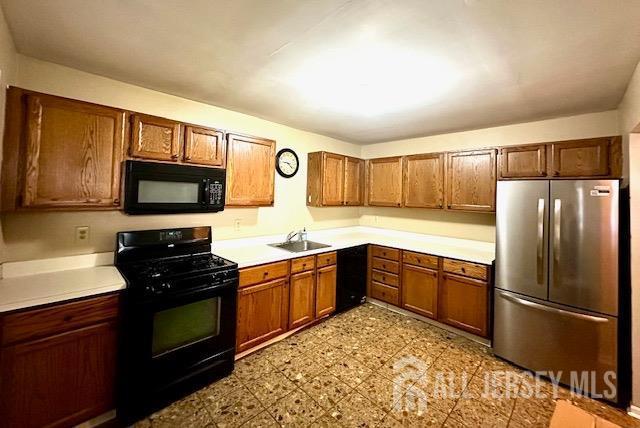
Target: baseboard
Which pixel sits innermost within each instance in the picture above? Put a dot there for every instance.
(98, 420)
(634, 411)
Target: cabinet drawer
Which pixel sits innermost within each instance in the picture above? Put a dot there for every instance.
(303, 264)
(385, 278)
(326, 259)
(385, 253)
(385, 265)
(385, 293)
(419, 259)
(262, 273)
(472, 270)
(32, 324)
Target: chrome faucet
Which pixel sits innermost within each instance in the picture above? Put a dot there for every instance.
(302, 235)
(291, 234)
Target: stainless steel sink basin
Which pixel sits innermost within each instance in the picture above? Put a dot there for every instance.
(299, 246)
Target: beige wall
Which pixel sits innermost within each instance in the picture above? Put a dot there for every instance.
(40, 235)
(474, 225)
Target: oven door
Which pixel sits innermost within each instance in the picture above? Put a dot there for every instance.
(156, 188)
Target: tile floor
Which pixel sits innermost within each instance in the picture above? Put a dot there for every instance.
(341, 373)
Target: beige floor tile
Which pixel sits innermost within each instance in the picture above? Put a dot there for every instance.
(271, 387)
(232, 409)
(301, 370)
(350, 371)
(296, 409)
(253, 367)
(413, 418)
(357, 411)
(261, 420)
(188, 412)
(325, 421)
(381, 391)
(326, 389)
(479, 413)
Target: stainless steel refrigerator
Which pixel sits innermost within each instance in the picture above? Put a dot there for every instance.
(556, 295)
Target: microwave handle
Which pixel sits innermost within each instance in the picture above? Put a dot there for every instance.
(205, 191)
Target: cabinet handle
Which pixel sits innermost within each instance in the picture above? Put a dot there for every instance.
(116, 201)
(187, 158)
(174, 156)
(265, 273)
(463, 270)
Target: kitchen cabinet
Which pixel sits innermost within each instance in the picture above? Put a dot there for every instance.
(58, 364)
(582, 158)
(154, 138)
(463, 303)
(471, 180)
(326, 290)
(302, 298)
(68, 157)
(523, 161)
(423, 185)
(262, 313)
(204, 146)
(250, 171)
(334, 180)
(384, 182)
(420, 290)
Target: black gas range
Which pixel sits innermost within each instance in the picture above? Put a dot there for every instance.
(178, 317)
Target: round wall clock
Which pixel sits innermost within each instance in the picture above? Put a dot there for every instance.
(287, 163)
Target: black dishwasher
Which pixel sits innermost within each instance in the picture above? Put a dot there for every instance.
(352, 277)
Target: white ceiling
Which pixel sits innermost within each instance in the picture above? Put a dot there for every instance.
(362, 71)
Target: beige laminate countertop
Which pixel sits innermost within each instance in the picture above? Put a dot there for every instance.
(254, 251)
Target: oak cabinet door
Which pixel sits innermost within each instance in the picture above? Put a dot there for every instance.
(332, 179)
(424, 181)
(583, 158)
(60, 380)
(353, 181)
(302, 299)
(523, 161)
(262, 313)
(471, 180)
(250, 171)
(204, 146)
(73, 154)
(155, 138)
(326, 291)
(463, 303)
(385, 182)
(420, 290)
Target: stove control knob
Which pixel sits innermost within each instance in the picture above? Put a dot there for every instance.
(149, 289)
(165, 286)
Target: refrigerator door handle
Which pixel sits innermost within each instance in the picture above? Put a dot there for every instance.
(557, 211)
(540, 243)
(538, 306)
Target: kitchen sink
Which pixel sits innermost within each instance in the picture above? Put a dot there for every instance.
(299, 246)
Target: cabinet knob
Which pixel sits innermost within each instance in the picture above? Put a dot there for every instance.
(116, 201)
(187, 158)
(174, 156)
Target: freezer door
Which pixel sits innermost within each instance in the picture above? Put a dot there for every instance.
(521, 237)
(584, 245)
(540, 336)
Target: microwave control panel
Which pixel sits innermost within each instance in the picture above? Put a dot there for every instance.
(216, 194)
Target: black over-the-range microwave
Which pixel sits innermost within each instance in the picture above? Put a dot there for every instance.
(160, 188)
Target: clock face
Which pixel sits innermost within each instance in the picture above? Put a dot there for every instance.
(287, 163)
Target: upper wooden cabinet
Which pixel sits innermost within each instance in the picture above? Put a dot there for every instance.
(384, 182)
(61, 153)
(353, 181)
(523, 161)
(471, 180)
(250, 171)
(334, 180)
(204, 146)
(591, 157)
(154, 138)
(424, 181)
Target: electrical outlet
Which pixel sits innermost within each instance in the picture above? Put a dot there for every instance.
(236, 224)
(82, 234)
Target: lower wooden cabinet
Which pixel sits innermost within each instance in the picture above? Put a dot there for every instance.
(302, 299)
(262, 313)
(61, 379)
(420, 290)
(326, 290)
(463, 303)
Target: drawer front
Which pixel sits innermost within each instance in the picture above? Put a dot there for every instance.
(327, 259)
(419, 259)
(385, 293)
(263, 273)
(385, 278)
(303, 264)
(32, 324)
(385, 253)
(472, 270)
(386, 265)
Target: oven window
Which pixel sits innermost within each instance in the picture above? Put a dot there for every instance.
(183, 325)
(171, 192)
